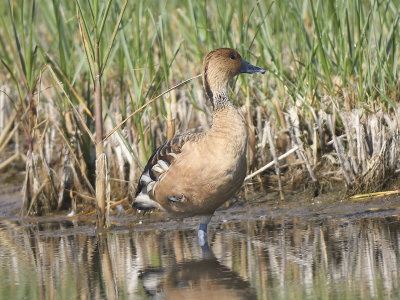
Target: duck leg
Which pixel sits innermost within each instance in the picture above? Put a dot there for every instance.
(202, 233)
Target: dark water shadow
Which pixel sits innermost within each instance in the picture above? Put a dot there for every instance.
(204, 278)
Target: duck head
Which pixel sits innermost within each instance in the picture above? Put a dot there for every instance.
(220, 66)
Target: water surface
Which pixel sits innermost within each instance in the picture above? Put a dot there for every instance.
(263, 258)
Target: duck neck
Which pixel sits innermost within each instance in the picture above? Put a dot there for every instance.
(220, 101)
(226, 118)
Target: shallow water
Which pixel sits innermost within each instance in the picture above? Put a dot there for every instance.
(287, 258)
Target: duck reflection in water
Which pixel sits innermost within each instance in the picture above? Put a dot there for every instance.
(205, 278)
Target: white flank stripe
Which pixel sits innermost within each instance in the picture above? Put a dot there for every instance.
(157, 168)
(163, 165)
(150, 186)
(145, 179)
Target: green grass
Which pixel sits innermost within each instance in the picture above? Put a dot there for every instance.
(329, 56)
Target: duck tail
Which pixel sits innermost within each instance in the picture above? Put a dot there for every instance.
(144, 202)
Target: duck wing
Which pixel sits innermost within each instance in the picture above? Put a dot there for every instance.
(157, 167)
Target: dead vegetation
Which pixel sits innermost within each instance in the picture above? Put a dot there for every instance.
(327, 110)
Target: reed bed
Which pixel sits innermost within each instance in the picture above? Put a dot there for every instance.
(72, 71)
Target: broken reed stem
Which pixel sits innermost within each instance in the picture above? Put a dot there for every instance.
(83, 172)
(81, 195)
(146, 104)
(7, 128)
(269, 165)
(36, 196)
(170, 128)
(9, 161)
(5, 141)
(111, 206)
(100, 159)
(374, 195)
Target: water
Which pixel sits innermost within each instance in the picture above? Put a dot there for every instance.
(279, 258)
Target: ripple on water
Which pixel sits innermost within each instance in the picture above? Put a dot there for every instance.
(268, 258)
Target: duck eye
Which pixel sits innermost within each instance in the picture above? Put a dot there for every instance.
(232, 56)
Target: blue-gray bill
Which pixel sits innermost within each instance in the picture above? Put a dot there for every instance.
(249, 68)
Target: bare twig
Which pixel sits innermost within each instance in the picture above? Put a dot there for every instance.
(8, 138)
(146, 104)
(269, 165)
(111, 206)
(9, 161)
(374, 195)
(7, 128)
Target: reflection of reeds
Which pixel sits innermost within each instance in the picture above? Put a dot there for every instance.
(280, 259)
(331, 91)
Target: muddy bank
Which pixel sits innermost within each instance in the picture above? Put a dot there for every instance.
(299, 206)
(10, 192)
(10, 202)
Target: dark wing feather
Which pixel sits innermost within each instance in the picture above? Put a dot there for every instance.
(165, 153)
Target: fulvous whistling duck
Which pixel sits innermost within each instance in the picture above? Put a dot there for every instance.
(194, 173)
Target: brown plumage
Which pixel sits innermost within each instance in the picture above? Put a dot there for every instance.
(195, 173)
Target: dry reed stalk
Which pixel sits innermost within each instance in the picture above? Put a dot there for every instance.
(276, 161)
(381, 158)
(171, 115)
(360, 136)
(263, 144)
(251, 139)
(280, 113)
(65, 178)
(36, 196)
(101, 162)
(101, 159)
(83, 172)
(5, 142)
(347, 120)
(9, 160)
(270, 164)
(7, 127)
(170, 123)
(297, 140)
(259, 119)
(373, 177)
(321, 122)
(339, 150)
(112, 205)
(36, 165)
(374, 195)
(93, 199)
(47, 173)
